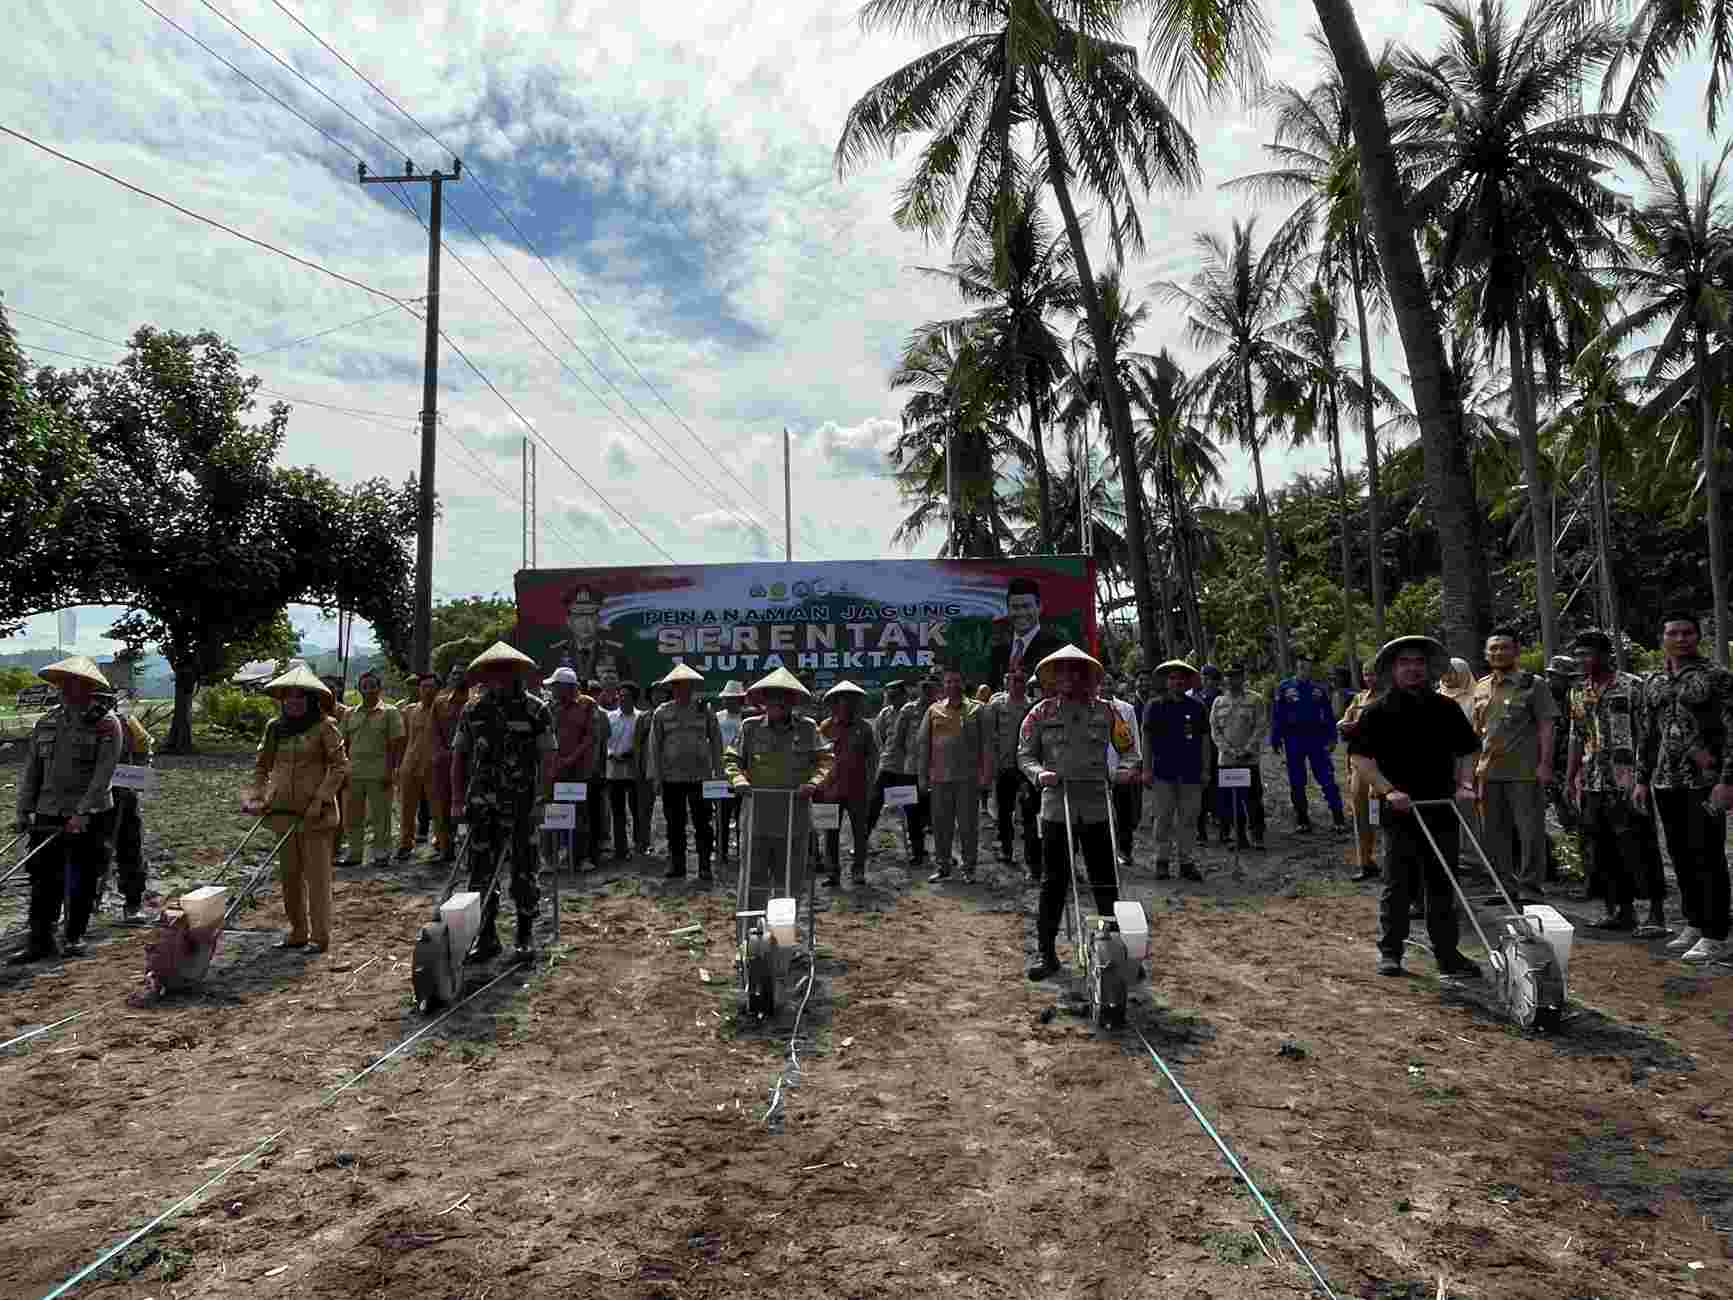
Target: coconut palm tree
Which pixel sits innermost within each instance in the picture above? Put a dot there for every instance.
(1183, 461)
(1683, 237)
(1658, 33)
(1317, 162)
(1234, 303)
(1059, 68)
(1020, 274)
(1515, 178)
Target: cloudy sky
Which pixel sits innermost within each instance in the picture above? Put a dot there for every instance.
(672, 163)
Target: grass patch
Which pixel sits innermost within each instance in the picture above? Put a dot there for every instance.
(1233, 1247)
(148, 1263)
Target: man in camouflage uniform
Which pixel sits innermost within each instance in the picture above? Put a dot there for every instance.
(1604, 736)
(778, 749)
(1062, 749)
(1011, 789)
(684, 750)
(63, 795)
(502, 770)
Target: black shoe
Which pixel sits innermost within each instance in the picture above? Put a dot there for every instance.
(833, 880)
(35, 952)
(675, 871)
(1455, 966)
(1340, 825)
(1045, 968)
(72, 948)
(1417, 911)
(1163, 870)
(487, 946)
(449, 856)
(1258, 843)
(1303, 828)
(1390, 966)
(943, 873)
(1243, 845)
(405, 853)
(1625, 920)
(349, 860)
(287, 942)
(525, 936)
(1189, 871)
(1004, 857)
(1368, 873)
(704, 873)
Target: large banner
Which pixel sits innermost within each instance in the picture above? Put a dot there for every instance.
(869, 621)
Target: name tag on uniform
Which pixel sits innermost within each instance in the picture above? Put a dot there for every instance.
(717, 790)
(1372, 807)
(570, 791)
(145, 780)
(517, 726)
(559, 817)
(902, 796)
(1234, 778)
(826, 817)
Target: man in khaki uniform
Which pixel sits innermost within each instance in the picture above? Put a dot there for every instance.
(684, 750)
(952, 756)
(373, 734)
(1063, 750)
(1013, 793)
(1514, 714)
(778, 749)
(1238, 721)
(416, 772)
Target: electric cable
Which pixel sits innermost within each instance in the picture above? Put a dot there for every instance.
(200, 217)
(85, 1272)
(11, 1042)
(536, 253)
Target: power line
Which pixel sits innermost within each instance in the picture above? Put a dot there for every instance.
(335, 329)
(536, 252)
(200, 217)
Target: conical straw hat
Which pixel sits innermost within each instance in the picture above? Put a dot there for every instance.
(501, 655)
(1437, 658)
(1176, 666)
(779, 680)
(844, 687)
(1067, 655)
(680, 673)
(733, 691)
(298, 678)
(81, 667)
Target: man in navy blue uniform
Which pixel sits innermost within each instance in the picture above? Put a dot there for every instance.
(1175, 738)
(1303, 723)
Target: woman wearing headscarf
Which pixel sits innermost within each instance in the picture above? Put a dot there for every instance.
(301, 766)
(1458, 684)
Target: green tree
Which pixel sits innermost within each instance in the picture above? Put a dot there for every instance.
(464, 627)
(1107, 135)
(1659, 32)
(185, 519)
(1515, 178)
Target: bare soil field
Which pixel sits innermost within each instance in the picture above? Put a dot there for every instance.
(595, 1124)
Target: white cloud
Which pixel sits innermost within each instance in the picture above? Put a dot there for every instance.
(674, 165)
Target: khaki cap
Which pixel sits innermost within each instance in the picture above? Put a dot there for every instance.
(80, 667)
(501, 655)
(298, 678)
(779, 680)
(680, 673)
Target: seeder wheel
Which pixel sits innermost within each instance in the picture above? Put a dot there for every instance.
(431, 974)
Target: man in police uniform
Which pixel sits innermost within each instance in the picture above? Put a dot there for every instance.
(587, 649)
(1062, 749)
(683, 751)
(890, 770)
(502, 770)
(1237, 721)
(1011, 789)
(903, 740)
(63, 795)
(1303, 725)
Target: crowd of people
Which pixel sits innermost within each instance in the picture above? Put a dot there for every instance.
(1065, 760)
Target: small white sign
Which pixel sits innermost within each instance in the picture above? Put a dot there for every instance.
(826, 817)
(902, 796)
(717, 790)
(1372, 807)
(145, 780)
(559, 817)
(1234, 778)
(570, 792)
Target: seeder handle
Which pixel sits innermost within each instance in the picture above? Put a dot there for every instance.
(229, 914)
(20, 864)
(1071, 861)
(229, 862)
(1449, 875)
(1515, 912)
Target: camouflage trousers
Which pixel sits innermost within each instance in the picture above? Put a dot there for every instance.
(492, 833)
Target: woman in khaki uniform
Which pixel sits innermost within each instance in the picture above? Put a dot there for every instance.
(301, 766)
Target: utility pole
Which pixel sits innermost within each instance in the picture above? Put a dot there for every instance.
(951, 471)
(420, 656)
(787, 503)
(529, 495)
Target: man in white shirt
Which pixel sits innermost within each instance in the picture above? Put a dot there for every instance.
(623, 769)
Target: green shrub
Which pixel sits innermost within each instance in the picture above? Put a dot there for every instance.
(234, 712)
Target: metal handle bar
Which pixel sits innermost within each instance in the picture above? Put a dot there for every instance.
(229, 862)
(19, 865)
(259, 875)
(1451, 876)
(1475, 841)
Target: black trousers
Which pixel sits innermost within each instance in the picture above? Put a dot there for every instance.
(727, 818)
(623, 799)
(1412, 870)
(860, 826)
(596, 812)
(1697, 843)
(1609, 831)
(680, 800)
(1097, 850)
(129, 848)
(67, 871)
(1127, 813)
(1244, 808)
(1210, 807)
(1013, 790)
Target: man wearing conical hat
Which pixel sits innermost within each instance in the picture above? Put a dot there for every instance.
(854, 749)
(1063, 749)
(63, 796)
(1175, 747)
(502, 769)
(778, 749)
(728, 718)
(684, 750)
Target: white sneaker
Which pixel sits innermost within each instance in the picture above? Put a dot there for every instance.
(1687, 939)
(1708, 950)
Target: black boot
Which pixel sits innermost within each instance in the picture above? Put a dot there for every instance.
(704, 870)
(676, 868)
(44, 910)
(526, 924)
(1163, 869)
(1047, 964)
(487, 945)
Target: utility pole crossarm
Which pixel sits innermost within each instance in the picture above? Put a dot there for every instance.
(421, 653)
